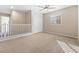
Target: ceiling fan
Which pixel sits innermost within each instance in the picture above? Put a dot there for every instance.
(46, 7)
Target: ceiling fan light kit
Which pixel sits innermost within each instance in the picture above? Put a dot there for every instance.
(46, 7)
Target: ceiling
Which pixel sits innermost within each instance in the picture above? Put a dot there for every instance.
(55, 7)
(7, 8)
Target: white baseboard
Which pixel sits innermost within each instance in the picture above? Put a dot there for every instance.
(63, 35)
(15, 36)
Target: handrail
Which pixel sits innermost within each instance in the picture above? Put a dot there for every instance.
(14, 29)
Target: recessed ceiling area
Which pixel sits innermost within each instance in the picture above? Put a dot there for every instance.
(8, 8)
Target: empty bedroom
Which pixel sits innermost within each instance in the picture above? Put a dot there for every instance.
(39, 29)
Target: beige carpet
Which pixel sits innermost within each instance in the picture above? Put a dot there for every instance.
(40, 43)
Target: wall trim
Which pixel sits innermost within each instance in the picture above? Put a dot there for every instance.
(63, 35)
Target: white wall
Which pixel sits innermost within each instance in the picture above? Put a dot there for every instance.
(36, 20)
(78, 24)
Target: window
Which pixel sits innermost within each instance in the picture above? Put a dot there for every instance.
(55, 19)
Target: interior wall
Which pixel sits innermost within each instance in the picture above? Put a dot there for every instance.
(18, 17)
(69, 22)
(78, 24)
(28, 16)
(0, 23)
(22, 18)
(37, 21)
(4, 14)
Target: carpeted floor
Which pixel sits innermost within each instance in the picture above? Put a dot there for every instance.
(40, 43)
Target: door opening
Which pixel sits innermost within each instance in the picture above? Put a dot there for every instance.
(4, 24)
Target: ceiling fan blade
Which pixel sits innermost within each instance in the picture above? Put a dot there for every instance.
(48, 8)
(41, 6)
(43, 9)
(51, 7)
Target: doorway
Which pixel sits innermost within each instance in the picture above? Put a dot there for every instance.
(4, 24)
